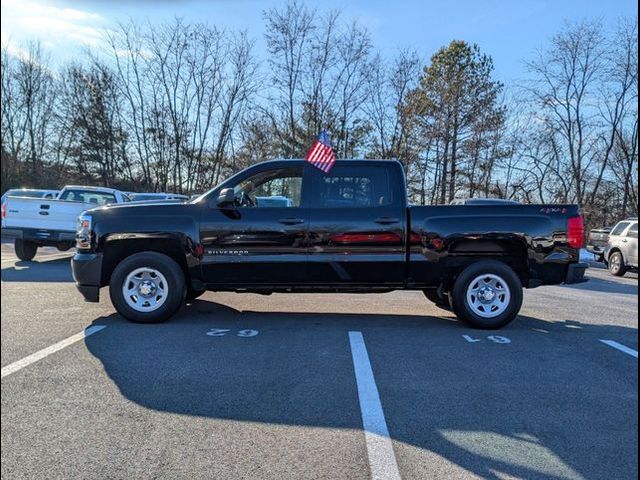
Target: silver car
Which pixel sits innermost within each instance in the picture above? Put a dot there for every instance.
(622, 248)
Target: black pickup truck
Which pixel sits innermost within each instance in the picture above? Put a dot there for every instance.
(285, 226)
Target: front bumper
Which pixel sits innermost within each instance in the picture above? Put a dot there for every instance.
(596, 250)
(87, 273)
(575, 273)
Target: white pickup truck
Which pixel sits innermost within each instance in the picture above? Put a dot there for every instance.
(37, 222)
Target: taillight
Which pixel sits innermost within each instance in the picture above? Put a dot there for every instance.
(575, 232)
(4, 210)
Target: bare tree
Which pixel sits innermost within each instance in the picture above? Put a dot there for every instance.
(619, 92)
(36, 90)
(621, 115)
(354, 62)
(241, 82)
(318, 86)
(96, 146)
(288, 35)
(566, 78)
(128, 52)
(13, 122)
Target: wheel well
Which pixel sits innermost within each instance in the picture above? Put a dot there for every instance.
(612, 251)
(117, 250)
(463, 253)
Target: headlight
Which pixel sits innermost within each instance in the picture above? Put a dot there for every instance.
(83, 232)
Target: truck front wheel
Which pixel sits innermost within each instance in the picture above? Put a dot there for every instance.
(487, 295)
(147, 287)
(25, 250)
(63, 247)
(192, 294)
(440, 301)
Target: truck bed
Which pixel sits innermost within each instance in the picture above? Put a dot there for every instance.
(439, 234)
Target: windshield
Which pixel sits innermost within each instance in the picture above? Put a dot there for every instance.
(88, 196)
(198, 198)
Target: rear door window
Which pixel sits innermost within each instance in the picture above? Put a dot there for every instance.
(621, 227)
(633, 231)
(353, 187)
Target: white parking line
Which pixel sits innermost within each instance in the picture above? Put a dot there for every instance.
(382, 460)
(45, 352)
(622, 348)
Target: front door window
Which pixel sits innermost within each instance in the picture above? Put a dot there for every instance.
(280, 188)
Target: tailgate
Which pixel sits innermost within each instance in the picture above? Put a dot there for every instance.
(35, 213)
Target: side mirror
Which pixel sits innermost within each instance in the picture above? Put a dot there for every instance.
(226, 198)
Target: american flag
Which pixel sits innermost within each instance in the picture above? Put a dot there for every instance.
(321, 154)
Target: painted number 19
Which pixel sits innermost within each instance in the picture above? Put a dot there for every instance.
(492, 338)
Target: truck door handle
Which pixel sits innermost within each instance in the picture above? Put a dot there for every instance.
(386, 220)
(291, 221)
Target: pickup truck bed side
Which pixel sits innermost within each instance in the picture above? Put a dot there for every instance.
(529, 238)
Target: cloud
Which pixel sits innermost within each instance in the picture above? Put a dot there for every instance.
(56, 27)
(12, 47)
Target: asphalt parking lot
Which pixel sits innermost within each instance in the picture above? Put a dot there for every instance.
(304, 386)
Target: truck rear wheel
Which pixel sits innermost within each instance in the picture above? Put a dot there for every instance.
(487, 295)
(25, 250)
(147, 287)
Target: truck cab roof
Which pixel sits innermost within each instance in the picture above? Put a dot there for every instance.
(345, 161)
(483, 201)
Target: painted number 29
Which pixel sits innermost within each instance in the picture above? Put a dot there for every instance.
(221, 332)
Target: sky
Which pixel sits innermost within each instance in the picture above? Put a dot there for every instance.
(510, 31)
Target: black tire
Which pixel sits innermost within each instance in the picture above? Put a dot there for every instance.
(466, 312)
(433, 296)
(616, 264)
(156, 261)
(25, 250)
(192, 294)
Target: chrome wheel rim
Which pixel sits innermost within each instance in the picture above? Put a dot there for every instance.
(615, 262)
(488, 295)
(145, 289)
